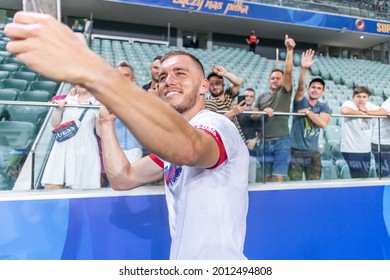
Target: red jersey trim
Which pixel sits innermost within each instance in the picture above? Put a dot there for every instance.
(222, 152)
(157, 160)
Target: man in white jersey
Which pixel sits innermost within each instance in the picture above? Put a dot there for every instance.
(203, 159)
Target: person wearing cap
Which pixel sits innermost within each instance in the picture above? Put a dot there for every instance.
(305, 130)
(222, 99)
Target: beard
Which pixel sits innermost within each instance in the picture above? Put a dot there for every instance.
(188, 103)
(216, 94)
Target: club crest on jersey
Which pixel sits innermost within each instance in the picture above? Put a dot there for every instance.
(171, 174)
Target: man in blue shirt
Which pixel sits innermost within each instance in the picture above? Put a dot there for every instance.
(305, 130)
(130, 146)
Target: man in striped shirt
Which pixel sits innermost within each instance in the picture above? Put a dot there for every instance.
(222, 99)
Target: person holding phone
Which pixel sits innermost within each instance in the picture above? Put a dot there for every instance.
(248, 125)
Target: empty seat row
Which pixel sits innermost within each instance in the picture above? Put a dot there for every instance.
(22, 85)
(18, 135)
(10, 94)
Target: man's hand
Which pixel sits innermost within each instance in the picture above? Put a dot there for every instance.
(307, 59)
(269, 111)
(289, 43)
(105, 114)
(51, 48)
(219, 70)
(251, 144)
(239, 108)
(236, 109)
(363, 109)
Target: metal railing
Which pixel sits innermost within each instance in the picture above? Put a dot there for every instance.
(36, 170)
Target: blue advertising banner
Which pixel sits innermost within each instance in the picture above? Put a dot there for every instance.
(258, 11)
(350, 223)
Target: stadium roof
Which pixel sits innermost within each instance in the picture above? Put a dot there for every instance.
(201, 22)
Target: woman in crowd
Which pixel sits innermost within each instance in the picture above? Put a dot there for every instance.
(74, 163)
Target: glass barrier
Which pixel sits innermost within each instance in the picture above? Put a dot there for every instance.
(26, 142)
(307, 152)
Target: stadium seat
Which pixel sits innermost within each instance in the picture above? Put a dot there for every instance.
(332, 132)
(2, 110)
(345, 173)
(24, 75)
(329, 171)
(3, 45)
(335, 152)
(5, 54)
(324, 149)
(34, 95)
(8, 94)
(49, 86)
(12, 60)
(19, 135)
(9, 67)
(32, 114)
(9, 156)
(333, 121)
(14, 83)
(4, 74)
(25, 68)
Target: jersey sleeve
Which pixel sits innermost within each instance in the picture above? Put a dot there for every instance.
(157, 160)
(214, 133)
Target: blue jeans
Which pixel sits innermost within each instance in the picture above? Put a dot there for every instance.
(276, 154)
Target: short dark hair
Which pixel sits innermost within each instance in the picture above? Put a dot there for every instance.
(179, 52)
(277, 70)
(317, 80)
(361, 89)
(124, 63)
(157, 58)
(212, 74)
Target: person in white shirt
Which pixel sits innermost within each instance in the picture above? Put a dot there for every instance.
(200, 153)
(356, 133)
(381, 145)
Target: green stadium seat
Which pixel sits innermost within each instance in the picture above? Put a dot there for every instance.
(9, 67)
(19, 135)
(49, 86)
(2, 110)
(14, 83)
(12, 60)
(8, 94)
(24, 75)
(329, 171)
(35, 95)
(5, 54)
(32, 114)
(4, 74)
(345, 173)
(25, 68)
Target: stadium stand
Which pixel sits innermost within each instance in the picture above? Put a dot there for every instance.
(340, 75)
(19, 125)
